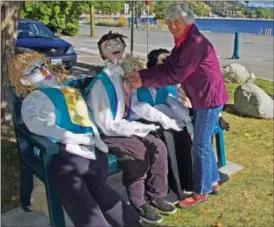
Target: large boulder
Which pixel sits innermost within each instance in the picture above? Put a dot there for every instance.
(252, 101)
(236, 73)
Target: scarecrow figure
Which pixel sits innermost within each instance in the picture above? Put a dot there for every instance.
(142, 156)
(79, 169)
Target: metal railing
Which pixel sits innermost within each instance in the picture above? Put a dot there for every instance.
(265, 31)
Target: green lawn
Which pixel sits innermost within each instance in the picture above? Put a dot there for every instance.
(246, 199)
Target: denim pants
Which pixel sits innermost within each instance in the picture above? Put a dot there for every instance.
(205, 165)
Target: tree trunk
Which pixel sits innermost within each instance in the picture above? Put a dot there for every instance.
(91, 20)
(9, 20)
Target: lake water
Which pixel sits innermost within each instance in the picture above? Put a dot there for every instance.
(234, 25)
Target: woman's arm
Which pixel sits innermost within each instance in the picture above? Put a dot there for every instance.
(172, 73)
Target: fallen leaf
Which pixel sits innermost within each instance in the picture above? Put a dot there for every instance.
(14, 197)
(205, 212)
(176, 218)
(248, 134)
(217, 224)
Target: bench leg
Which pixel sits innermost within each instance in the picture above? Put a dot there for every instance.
(26, 186)
(56, 212)
(219, 136)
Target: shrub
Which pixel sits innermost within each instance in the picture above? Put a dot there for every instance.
(59, 16)
(122, 21)
(71, 29)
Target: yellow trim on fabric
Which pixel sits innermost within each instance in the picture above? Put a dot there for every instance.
(77, 107)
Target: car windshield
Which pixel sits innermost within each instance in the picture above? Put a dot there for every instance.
(33, 30)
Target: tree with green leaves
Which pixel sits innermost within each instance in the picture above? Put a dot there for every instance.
(59, 16)
(109, 7)
(89, 6)
(264, 13)
(159, 8)
(200, 9)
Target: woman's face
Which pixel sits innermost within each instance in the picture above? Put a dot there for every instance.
(176, 26)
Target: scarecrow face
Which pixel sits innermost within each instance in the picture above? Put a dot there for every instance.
(162, 57)
(38, 75)
(136, 67)
(113, 50)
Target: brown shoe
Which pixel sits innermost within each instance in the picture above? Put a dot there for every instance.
(216, 190)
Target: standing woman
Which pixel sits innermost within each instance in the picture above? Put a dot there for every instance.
(193, 63)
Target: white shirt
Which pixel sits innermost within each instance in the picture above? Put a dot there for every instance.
(168, 114)
(99, 103)
(38, 113)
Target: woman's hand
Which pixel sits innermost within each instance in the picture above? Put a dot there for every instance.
(134, 79)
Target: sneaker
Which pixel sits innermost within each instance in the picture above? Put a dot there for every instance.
(163, 206)
(148, 214)
(192, 200)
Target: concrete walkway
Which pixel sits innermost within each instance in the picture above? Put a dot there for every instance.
(19, 218)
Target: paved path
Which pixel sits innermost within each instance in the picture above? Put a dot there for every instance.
(18, 218)
(256, 52)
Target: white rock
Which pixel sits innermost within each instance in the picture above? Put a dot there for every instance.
(236, 73)
(250, 100)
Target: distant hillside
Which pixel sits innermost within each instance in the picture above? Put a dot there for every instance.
(243, 9)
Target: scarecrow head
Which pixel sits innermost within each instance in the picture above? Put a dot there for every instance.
(132, 64)
(112, 46)
(29, 71)
(156, 57)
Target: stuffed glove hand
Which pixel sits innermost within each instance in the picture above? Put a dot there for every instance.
(83, 151)
(72, 138)
(101, 145)
(150, 127)
(168, 123)
(144, 129)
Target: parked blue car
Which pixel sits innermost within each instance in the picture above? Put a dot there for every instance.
(33, 35)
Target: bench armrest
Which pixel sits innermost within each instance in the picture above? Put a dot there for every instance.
(44, 144)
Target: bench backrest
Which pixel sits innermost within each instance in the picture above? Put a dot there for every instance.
(16, 103)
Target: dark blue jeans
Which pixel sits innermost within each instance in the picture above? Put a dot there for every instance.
(205, 165)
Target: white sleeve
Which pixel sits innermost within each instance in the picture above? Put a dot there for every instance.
(101, 111)
(38, 113)
(181, 111)
(181, 114)
(144, 110)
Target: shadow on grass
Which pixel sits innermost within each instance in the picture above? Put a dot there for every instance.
(10, 174)
(229, 108)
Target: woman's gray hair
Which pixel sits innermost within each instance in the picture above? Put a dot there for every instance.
(175, 10)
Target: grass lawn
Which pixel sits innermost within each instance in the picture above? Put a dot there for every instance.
(246, 199)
